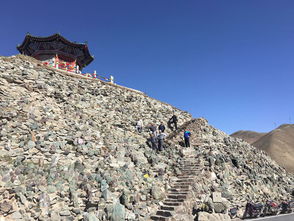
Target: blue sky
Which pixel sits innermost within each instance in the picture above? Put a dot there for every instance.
(229, 61)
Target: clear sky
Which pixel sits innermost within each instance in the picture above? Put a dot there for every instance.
(230, 61)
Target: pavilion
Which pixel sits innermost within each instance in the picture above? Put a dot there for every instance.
(56, 51)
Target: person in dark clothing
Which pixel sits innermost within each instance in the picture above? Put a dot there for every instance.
(153, 130)
(174, 120)
(187, 135)
(169, 124)
(153, 140)
(161, 127)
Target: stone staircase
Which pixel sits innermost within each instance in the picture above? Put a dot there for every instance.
(178, 201)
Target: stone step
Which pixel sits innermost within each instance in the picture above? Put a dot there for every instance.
(167, 208)
(184, 183)
(180, 186)
(190, 161)
(179, 193)
(190, 171)
(194, 173)
(159, 218)
(172, 203)
(178, 190)
(184, 177)
(195, 166)
(188, 180)
(189, 168)
(193, 159)
(174, 190)
(164, 213)
(190, 164)
(183, 196)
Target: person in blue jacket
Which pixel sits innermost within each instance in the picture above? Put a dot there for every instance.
(187, 135)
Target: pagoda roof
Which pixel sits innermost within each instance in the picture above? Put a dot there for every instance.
(56, 44)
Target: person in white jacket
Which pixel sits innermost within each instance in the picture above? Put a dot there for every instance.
(139, 126)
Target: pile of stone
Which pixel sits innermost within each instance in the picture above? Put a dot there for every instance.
(235, 170)
(69, 150)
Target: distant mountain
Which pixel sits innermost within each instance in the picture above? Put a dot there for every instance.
(278, 143)
(248, 136)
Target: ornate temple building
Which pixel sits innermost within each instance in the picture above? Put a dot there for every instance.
(56, 51)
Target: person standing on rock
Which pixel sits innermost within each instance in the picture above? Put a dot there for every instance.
(139, 126)
(174, 120)
(187, 135)
(161, 127)
(153, 141)
(160, 139)
(153, 129)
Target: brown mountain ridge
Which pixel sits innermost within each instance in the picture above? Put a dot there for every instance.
(278, 143)
(248, 136)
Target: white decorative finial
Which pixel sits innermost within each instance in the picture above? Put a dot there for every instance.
(111, 79)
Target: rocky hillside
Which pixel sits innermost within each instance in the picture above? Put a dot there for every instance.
(242, 171)
(248, 136)
(69, 151)
(67, 139)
